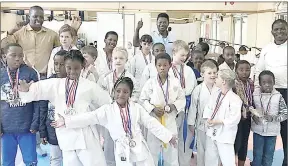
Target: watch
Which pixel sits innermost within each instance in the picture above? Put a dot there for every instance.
(167, 108)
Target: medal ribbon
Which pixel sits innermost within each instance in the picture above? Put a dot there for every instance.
(150, 58)
(115, 78)
(181, 74)
(126, 120)
(166, 97)
(218, 104)
(268, 105)
(70, 92)
(14, 83)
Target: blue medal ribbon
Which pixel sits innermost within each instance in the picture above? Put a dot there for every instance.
(185, 124)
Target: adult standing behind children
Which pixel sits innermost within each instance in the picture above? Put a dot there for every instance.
(161, 35)
(37, 41)
(273, 57)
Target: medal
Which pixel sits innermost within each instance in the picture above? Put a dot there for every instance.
(132, 143)
(70, 94)
(167, 108)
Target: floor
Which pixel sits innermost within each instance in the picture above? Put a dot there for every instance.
(278, 155)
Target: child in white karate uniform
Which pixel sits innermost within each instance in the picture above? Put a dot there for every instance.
(89, 71)
(122, 119)
(229, 59)
(200, 96)
(104, 59)
(188, 81)
(164, 99)
(67, 36)
(140, 61)
(71, 96)
(119, 59)
(223, 113)
(150, 70)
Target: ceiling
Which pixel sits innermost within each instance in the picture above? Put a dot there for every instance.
(178, 12)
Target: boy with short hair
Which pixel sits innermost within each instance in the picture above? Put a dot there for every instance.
(229, 59)
(19, 120)
(89, 71)
(200, 96)
(223, 113)
(187, 79)
(150, 70)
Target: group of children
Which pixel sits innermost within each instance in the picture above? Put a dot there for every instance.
(149, 108)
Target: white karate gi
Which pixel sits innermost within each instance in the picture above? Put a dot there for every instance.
(109, 116)
(50, 68)
(79, 146)
(106, 83)
(152, 96)
(221, 144)
(200, 97)
(190, 83)
(150, 71)
(138, 64)
(101, 63)
(224, 65)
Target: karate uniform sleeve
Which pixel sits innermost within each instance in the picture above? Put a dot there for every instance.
(282, 115)
(234, 114)
(88, 118)
(50, 67)
(154, 126)
(260, 66)
(192, 114)
(145, 97)
(100, 96)
(191, 81)
(103, 83)
(41, 90)
(38, 106)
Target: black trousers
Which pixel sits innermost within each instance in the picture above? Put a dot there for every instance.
(242, 137)
(284, 129)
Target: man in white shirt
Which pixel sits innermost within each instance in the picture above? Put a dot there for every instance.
(160, 36)
(273, 57)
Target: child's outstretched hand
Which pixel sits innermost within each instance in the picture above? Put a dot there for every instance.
(173, 141)
(24, 86)
(58, 123)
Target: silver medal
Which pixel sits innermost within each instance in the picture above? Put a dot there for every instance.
(132, 143)
(167, 108)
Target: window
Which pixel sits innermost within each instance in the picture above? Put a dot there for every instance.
(240, 31)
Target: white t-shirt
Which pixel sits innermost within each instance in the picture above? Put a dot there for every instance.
(168, 41)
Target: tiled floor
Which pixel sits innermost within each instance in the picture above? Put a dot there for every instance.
(278, 155)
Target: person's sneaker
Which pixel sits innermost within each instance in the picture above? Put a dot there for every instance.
(41, 152)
